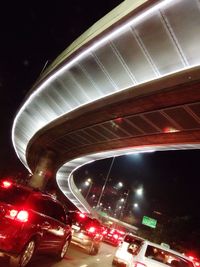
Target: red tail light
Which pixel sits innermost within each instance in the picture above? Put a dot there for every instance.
(195, 260)
(191, 257)
(91, 230)
(122, 233)
(6, 184)
(104, 232)
(21, 216)
(115, 236)
(81, 215)
(11, 214)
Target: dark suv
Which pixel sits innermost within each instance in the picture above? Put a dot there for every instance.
(86, 232)
(113, 236)
(30, 222)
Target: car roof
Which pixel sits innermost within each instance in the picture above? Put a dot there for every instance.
(31, 190)
(135, 236)
(166, 249)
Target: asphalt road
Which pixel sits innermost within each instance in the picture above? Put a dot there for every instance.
(76, 257)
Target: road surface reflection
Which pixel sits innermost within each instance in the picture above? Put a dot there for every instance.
(76, 257)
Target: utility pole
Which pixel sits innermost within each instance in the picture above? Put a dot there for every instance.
(124, 204)
(88, 191)
(103, 188)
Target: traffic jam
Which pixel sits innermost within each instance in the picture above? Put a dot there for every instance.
(34, 222)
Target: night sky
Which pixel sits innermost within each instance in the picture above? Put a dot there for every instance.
(33, 34)
(170, 179)
(170, 182)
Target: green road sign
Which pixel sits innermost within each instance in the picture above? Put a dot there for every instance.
(104, 214)
(149, 222)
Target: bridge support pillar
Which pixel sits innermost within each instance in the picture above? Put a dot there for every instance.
(43, 171)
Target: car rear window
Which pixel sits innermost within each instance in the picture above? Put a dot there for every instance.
(47, 207)
(13, 195)
(84, 222)
(131, 239)
(166, 257)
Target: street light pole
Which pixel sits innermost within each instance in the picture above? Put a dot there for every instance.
(90, 186)
(127, 194)
(124, 204)
(103, 188)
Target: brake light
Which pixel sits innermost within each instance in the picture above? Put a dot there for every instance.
(92, 230)
(139, 264)
(104, 232)
(194, 260)
(115, 236)
(6, 184)
(191, 257)
(21, 216)
(122, 233)
(12, 214)
(81, 215)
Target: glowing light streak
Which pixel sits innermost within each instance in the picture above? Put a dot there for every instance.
(79, 57)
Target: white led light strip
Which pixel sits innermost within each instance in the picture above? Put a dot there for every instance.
(79, 57)
(65, 173)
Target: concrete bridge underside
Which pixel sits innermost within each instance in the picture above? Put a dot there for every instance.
(165, 116)
(130, 83)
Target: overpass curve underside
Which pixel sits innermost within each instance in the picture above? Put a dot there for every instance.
(131, 83)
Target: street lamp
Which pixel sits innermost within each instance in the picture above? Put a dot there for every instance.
(119, 185)
(88, 181)
(123, 203)
(139, 191)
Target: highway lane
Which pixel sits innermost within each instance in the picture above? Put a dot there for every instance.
(76, 257)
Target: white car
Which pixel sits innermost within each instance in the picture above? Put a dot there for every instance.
(149, 254)
(122, 255)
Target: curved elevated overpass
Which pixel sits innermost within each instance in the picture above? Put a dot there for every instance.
(130, 83)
